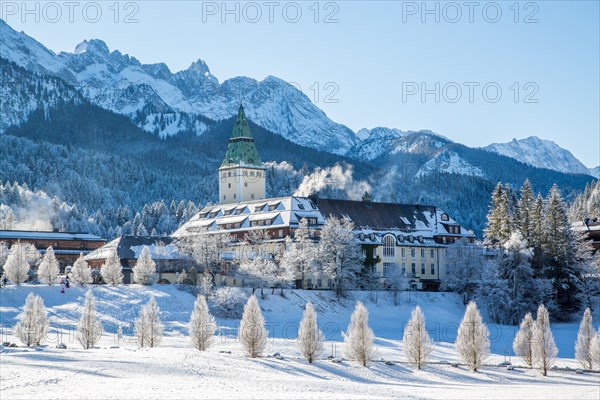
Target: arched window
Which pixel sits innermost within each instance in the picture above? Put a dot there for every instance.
(389, 246)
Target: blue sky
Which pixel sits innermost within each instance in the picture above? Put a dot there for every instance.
(379, 57)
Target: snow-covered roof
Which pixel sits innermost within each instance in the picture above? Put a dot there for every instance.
(282, 211)
(130, 247)
(42, 235)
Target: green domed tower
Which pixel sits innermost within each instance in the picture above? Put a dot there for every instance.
(242, 174)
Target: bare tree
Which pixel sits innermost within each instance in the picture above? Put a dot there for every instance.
(584, 340)
(472, 341)
(359, 337)
(252, 333)
(523, 342)
(32, 327)
(202, 325)
(416, 343)
(148, 328)
(48, 269)
(310, 337)
(544, 348)
(89, 329)
(111, 270)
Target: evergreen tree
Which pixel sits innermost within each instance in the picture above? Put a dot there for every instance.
(310, 337)
(416, 343)
(202, 325)
(359, 337)
(560, 250)
(32, 327)
(526, 207)
(538, 238)
(498, 220)
(473, 339)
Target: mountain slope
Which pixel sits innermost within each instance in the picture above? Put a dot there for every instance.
(540, 153)
(146, 93)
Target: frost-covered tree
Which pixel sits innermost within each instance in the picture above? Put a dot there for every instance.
(544, 347)
(228, 302)
(498, 220)
(48, 269)
(522, 344)
(339, 254)
(258, 272)
(89, 329)
(202, 325)
(32, 327)
(206, 248)
(526, 205)
(301, 251)
(16, 269)
(310, 337)
(144, 271)
(252, 333)
(111, 270)
(595, 350)
(148, 328)
(473, 339)
(464, 266)
(81, 273)
(584, 340)
(359, 337)
(416, 343)
(181, 278)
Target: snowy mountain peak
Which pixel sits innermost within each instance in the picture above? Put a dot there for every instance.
(540, 153)
(93, 45)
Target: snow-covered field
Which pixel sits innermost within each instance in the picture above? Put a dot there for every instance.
(118, 369)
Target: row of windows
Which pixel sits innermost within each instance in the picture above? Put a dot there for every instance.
(389, 249)
(388, 266)
(244, 173)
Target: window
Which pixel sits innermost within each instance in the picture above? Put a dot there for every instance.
(229, 185)
(319, 282)
(329, 283)
(389, 246)
(309, 283)
(234, 196)
(245, 184)
(224, 197)
(273, 207)
(413, 252)
(245, 173)
(414, 268)
(251, 173)
(251, 195)
(239, 210)
(422, 268)
(387, 267)
(445, 217)
(313, 206)
(301, 206)
(227, 212)
(432, 253)
(403, 252)
(432, 269)
(410, 238)
(281, 233)
(258, 208)
(403, 267)
(361, 236)
(420, 239)
(258, 173)
(422, 253)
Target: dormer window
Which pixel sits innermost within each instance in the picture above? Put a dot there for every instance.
(420, 239)
(301, 206)
(445, 217)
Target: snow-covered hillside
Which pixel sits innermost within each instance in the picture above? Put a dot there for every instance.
(540, 153)
(595, 172)
(175, 370)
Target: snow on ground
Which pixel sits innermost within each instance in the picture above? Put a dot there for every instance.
(118, 369)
